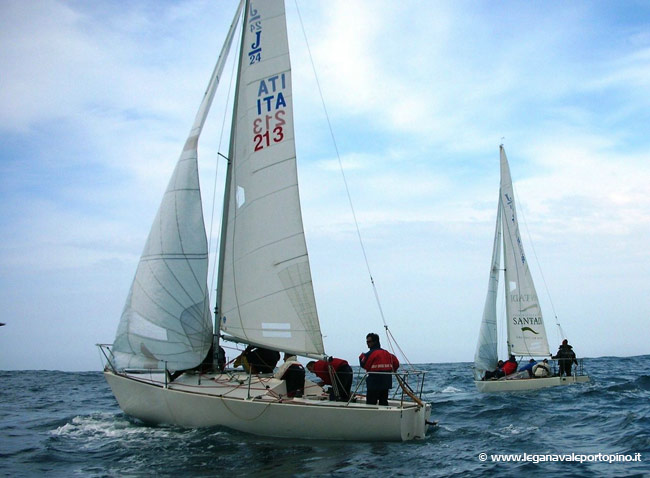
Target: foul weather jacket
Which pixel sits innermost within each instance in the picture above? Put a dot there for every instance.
(321, 370)
(509, 367)
(379, 360)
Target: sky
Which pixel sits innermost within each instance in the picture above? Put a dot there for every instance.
(97, 98)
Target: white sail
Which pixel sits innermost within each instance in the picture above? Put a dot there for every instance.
(265, 295)
(486, 355)
(525, 325)
(166, 321)
(167, 313)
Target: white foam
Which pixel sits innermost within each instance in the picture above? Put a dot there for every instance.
(102, 426)
(514, 430)
(450, 389)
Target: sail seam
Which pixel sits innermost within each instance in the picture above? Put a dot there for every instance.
(173, 257)
(248, 204)
(266, 297)
(273, 164)
(268, 244)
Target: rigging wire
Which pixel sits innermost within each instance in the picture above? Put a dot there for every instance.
(539, 267)
(391, 339)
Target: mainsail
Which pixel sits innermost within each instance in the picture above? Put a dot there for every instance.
(265, 294)
(166, 321)
(525, 325)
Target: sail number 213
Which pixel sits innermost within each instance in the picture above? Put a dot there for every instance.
(268, 130)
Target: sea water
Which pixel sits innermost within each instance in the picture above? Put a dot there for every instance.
(69, 424)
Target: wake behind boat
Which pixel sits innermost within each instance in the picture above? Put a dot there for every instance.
(265, 296)
(526, 333)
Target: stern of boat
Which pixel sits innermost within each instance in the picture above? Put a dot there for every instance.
(415, 425)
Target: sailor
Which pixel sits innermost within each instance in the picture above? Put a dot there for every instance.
(258, 360)
(510, 366)
(566, 357)
(496, 373)
(380, 364)
(337, 369)
(293, 373)
(528, 367)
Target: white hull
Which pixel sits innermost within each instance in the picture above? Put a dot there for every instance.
(194, 402)
(522, 384)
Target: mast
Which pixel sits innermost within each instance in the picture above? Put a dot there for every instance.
(226, 193)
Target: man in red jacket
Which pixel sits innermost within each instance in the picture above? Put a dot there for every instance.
(337, 369)
(510, 366)
(378, 360)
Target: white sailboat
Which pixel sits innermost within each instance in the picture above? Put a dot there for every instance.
(526, 333)
(265, 296)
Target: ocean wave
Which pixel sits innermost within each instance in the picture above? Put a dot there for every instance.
(101, 426)
(451, 389)
(75, 427)
(643, 382)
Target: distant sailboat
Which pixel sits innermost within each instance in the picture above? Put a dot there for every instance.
(265, 296)
(524, 321)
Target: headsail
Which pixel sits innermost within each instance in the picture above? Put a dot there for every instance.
(265, 296)
(525, 325)
(486, 355)
(166, 319)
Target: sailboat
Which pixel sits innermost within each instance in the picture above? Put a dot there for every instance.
(265, 296)
(526, 332)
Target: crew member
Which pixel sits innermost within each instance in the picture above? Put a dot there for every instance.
(336, 369)
(379, 364)
(293, 373)
(566, 357)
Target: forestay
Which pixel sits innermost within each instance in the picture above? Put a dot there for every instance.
(265, 294)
